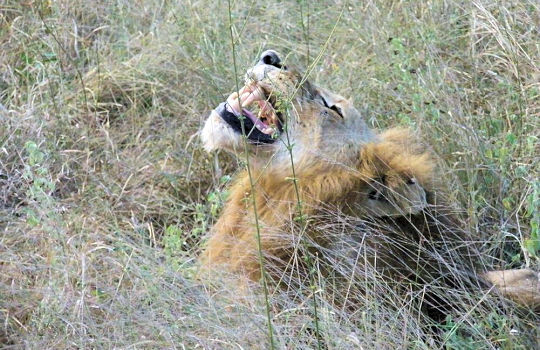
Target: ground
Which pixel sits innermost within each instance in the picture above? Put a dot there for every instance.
(106, 193)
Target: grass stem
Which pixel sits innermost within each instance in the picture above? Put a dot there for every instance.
(252, 193)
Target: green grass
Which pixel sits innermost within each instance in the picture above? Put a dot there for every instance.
(106, 193)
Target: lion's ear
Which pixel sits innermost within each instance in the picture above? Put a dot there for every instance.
(333, 107)
(391, 197)
(331, 101)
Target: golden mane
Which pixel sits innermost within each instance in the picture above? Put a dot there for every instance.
(233, 245)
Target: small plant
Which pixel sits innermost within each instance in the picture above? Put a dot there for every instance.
(39, 193)
(532, 244)
(492, 330)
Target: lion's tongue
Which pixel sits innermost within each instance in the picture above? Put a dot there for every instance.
(265, 129)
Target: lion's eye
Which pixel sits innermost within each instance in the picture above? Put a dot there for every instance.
(374, 195)
(411, 181)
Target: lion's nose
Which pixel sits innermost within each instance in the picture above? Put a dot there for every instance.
(271, 58)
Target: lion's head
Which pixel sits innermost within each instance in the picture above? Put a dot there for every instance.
(293, 114)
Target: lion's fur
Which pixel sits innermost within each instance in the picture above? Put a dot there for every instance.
(233, 243)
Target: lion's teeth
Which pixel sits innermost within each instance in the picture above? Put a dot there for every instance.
(267, 111)
(268, 131)
(265, 114)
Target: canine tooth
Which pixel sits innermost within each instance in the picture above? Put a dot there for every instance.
(267, 111)
(246, 98)
(268, 131)
(251, 97)
(234, 103)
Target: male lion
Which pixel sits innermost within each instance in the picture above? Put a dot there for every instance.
(312, 162)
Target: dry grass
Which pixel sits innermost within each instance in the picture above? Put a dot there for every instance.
(105, 192)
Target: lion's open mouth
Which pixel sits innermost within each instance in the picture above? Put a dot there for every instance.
(264, 121)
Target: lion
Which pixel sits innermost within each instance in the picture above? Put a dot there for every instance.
(309, 152)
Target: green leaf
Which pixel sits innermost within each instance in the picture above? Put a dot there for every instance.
(511, 138)
(532, 246)
(508, 203)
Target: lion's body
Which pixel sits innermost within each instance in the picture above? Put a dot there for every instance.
(323, 184)
(233, 243)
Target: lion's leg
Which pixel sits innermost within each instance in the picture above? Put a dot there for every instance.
(520, 285)
(227, 252)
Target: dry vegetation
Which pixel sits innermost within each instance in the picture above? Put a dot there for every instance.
(105, 192)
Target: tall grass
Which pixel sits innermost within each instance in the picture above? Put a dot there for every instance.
(106, 194)
(257, 227)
